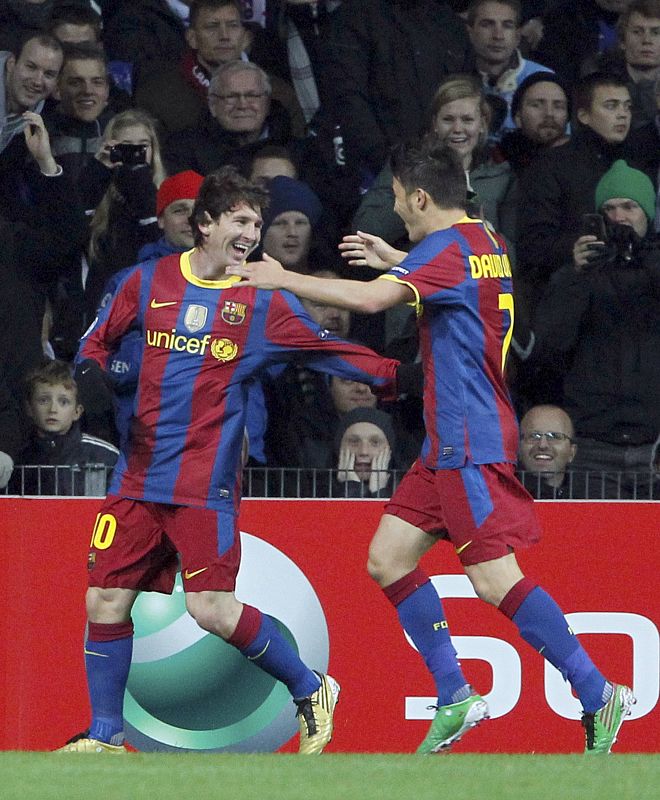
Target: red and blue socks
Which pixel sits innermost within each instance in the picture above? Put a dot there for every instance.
(542, 625)
(108, 652)
(260, 640)
(422, 616)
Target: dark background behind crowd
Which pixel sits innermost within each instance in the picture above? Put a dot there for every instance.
(111, 113)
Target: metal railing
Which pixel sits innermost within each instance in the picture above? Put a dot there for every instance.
(92, 480)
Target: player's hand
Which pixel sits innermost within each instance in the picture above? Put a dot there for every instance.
(366, 250)
(265, 274)
(380, 470)
(585, 250)
(346, 466)
(103, 155)
(38, 142)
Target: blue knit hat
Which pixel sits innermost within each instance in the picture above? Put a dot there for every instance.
(288, 194)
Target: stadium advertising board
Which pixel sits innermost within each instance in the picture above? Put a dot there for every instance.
(304, 564)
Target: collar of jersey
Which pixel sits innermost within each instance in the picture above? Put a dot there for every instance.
(186, 271)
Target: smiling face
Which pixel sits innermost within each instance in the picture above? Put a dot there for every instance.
(53, 408)
(240, 103)
(459, 124)
(288, 238)
(366, 441)
(84, 88)
(32, 76)
(546, 454)
(233, 236)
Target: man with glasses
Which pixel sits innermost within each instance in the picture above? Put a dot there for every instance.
(240, 120)
(546, 451)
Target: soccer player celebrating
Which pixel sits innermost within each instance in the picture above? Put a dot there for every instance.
(462, 487)
(175, 489)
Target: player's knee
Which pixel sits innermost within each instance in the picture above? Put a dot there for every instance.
(212, 616)
(109, 605)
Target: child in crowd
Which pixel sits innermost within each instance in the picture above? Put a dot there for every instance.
(60, 459)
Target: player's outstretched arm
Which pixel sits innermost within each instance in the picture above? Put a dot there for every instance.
(366, 297)
(366, 250)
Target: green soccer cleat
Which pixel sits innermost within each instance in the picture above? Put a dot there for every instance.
(602, 726)
(82, 743)
(315, 716)
(451, 722)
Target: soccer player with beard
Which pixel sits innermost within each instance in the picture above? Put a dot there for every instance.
(176, 488)
(462, 487)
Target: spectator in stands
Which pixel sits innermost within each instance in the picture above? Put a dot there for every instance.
(560, 188)
(597, 331)
(547, 449)
(175, 90)
(20, 19)
(75, 24)
(59, 458)
(129, 164)
(460, 118)
(11, 432)
(270, 161)
(637, 59)
(494, 30)
(240, 120)
(575, 32)
(39, 242)
(365, 443)
(384, 61)
(76, 125)
(27, 77)
(541, 111)
(143, 31)
(290, 221)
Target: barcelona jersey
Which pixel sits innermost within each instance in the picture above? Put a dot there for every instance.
(461, 278)
(202, 342)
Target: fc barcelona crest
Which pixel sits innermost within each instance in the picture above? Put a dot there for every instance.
(233, 313)
(195, 317)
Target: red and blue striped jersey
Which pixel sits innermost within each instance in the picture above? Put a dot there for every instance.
(203, 341)
(461, 278)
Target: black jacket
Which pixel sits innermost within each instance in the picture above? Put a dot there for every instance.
(555, 191)
(599, 330)
(385, 59)
(144, 30)
(81, 465)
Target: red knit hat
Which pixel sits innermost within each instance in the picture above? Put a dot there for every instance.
(182, 186)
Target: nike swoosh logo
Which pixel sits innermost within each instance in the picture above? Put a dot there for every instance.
(156, 304)
(188, 575)
(460, 549)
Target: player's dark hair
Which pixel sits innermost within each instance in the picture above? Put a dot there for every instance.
(52, 373)
(44, 39)
(433, 167)
(585, 89)
(650, 9)
(475, 5)
(222, 191)
(198, 5)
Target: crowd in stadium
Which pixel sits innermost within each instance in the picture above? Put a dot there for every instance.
(112, 113)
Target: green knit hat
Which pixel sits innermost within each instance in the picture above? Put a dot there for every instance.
(620, 180)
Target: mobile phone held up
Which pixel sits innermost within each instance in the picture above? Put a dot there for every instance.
(594, 225)
(132, 155)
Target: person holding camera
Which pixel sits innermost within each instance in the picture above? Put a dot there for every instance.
(129, 169)
(597, 332)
